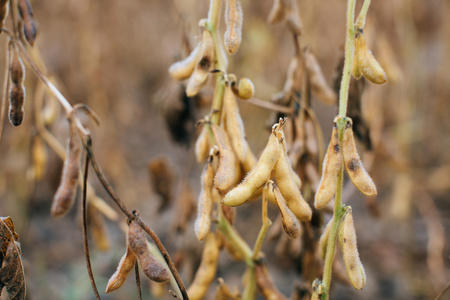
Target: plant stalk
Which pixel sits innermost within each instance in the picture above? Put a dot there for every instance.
(361, 20)
(343, 99)
(349, 51)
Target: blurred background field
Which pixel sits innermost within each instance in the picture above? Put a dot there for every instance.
(114, 55)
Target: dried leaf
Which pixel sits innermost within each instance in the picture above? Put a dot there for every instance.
(11, 272)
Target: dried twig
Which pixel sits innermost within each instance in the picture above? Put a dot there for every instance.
(131, 216)
(85, 237)
(138, 281)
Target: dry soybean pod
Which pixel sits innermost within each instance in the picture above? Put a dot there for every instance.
(205, 201)
(207, 270)
(204, 66)
(4, 8)
(233, 21)
(229, 170)
(319, 85)
(65, 195)
(125, 266)
(183, 69)
(265, 284)
(364, 62)
(276, 14)
(355, 169)
(17, 91)
(332, 163)
(291, 225)
(288, 187)
(258, 176)
(202, 145)
(249, 162)
(294, 175)
(234, 125)
(349, 248)
(29, 29)
(151, 267)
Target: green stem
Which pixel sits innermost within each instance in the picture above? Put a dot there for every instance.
(263, 231)
(214, 13)
(349, 51)
(331, 245)
(235, 240)
(219, 60)
(217, 100)
(361, 21)
(250, 285)
(343, 99)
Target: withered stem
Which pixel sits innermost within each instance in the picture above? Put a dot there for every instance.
(138, 281)
(131, 216)
(84, 229)
(5, 89)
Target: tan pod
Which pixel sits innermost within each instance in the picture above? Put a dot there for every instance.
(233, 21)
(183, 69)
(4, 8)
(276, 14)
(65, 195)
(204, 66)
(365, 64)
(202, 145)
(151, 267)
(17, 90)
(258, 175)
(332, 163)
(205, 202)
(29, 29)
(234, 125)
(355, 169)
(291, 225)
(349, 248)
(229, 170)
(319, 85)
(265, 284)
(207, 270)
(124, 268)
(288, 187)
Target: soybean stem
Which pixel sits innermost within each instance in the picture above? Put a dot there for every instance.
(349, 51)
(263, 231)
(361, 20)
(138, 281)
(250, 286)
(217, 100)
(85, 234)
(343, 97)
(331, 245)
(131, 216)
(234, 239)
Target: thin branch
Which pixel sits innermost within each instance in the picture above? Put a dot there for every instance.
(266, 223)
(106, 184)
(138, 281)
(131, 216)
(270, 106)
(166, 256)
(85, 236)
(443, 291)
(64, 102)
(5, 88)
(361, 21)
